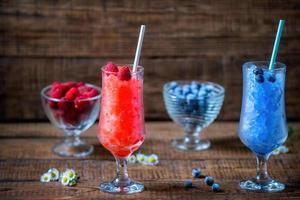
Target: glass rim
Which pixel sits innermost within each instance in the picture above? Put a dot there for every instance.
(46, 88)
(140, 69)
(278, 65)
(220, 94)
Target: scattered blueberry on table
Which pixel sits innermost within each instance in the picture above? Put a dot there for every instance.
(188, 183)
(209, 180)
(215, 187)
(196, 172)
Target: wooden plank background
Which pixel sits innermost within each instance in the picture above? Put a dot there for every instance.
(43, 41)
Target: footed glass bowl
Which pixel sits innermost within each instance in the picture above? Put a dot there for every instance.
(193, 105)
(72, 117)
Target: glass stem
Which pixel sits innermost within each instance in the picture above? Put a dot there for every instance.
(262, 169)
(72, 138)
(122, 178)
(191, 137)
(192, 131)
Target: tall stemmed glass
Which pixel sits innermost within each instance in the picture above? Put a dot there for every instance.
(121, 125)
(263, 121)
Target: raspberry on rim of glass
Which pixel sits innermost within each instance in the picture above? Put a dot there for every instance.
(124, 72)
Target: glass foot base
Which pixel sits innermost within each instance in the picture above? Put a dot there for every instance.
(184, 145)
(131, 188)
(67, 150)
(271, 186)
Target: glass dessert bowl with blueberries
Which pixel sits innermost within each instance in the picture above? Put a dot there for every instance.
(72, 107)
(193, 105)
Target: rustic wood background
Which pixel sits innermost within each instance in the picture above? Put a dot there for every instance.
(43, 41)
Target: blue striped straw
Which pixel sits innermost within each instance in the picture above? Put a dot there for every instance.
(276, 44)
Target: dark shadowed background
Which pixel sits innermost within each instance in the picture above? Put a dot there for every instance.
(43, 41)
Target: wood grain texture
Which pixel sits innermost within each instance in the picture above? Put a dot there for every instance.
(25, 155)
(209, 40)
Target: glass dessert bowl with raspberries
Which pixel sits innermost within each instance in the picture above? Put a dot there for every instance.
(193, 105)
(72, 107)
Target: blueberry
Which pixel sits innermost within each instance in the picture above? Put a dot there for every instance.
(178, 91)
(173, 85)
(195, 91)
(209, 88)
(194, 83)
(187, 109)
(271, 78)
(259, 78)
(209, 180)
(186, 89)
(192, 101)
(190, 96)
(196, 172)
(258, 71)
(215, 187)
(195, 111)
(195, 86)
(201, 93)
(188, 183)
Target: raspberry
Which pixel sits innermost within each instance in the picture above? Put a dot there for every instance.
(71, 116)
(55, 84)
(111, 67)
(70, 84)
(83, 89)
(58, 114)
(64, 105)
(71, 94)
(56, 91)
(92, 93)
(81, 105)
(79, 84)
(124, 73)
(52, 104)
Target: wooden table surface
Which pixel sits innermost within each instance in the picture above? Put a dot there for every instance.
(25, 153)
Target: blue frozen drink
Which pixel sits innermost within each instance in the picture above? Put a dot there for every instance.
(263, 121)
